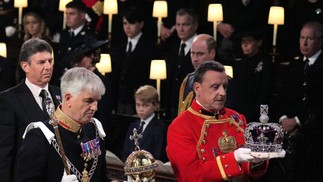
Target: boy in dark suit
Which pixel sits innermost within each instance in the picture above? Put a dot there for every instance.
(131, 61)
(153, 130)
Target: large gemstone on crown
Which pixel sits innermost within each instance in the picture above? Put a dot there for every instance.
(264, 137)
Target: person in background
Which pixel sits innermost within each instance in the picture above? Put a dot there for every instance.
(131, 61)
(302, 105)
(23, 103)
(203, 49)
(205, 142)
(178, 58)
(86, 54)
(153, 130)
(253, 76)
(69, 146)
(35, 27)
(77, 30)
(238, 16)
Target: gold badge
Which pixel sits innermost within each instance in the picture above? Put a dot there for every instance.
(227, 143)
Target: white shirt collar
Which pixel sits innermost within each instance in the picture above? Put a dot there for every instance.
(188, 44)
(147, 121)
(35, 90)
(77, 30)
(134, 41)
(313, 58)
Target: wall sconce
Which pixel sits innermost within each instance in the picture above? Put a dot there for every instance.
(62, 4)
(229, 71)
(158, 72)
(104, 66)
(110, 7)
(215, 14)
(159, 11)
(20, 4)
(3, 49)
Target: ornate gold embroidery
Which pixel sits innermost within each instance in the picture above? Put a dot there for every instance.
(227, 143)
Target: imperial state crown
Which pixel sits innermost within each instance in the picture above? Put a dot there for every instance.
(265, 139)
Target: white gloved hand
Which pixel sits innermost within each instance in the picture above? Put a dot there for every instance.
(243, 155)
(281, 154)
(69, 178)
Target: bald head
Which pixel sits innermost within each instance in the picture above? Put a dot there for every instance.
(203, 49)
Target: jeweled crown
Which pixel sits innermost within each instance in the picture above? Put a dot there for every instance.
(264, 136)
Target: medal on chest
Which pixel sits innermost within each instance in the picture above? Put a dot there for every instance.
(90, 150)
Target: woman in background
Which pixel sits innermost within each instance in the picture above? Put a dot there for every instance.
(35, 27)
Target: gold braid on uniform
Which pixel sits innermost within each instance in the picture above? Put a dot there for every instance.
(184, 104)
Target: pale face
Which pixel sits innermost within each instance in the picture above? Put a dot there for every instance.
(309, 43)
(74, 18)
(39, 71)
(144, 109)
(184, 27)
(211, 93)
(200, 53)
(82, 107)
(32, 25)
(132, 30)
(250, 46)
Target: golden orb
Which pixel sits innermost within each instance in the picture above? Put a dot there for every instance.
(140, 166)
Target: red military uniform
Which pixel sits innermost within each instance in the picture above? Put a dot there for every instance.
(200, 147)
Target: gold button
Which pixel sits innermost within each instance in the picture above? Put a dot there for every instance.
(208, 125)
(226, 165)
(229, 175)
(203, 151)
(204, 141)
(204, 159)
(205, 133)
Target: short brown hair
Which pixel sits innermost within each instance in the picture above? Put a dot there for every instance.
(147, 93)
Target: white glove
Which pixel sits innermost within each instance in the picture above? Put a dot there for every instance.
(69, 178)
(243, 155)
(10, 31)
(281, 154)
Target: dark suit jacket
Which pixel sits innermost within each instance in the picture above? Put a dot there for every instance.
(62, 51)
(310, 135)
(177, 69)
(293, 92)
(17, 109)
(252, 85)
(7, 74)
(38, 160)
(132, 71)
(153, 140)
